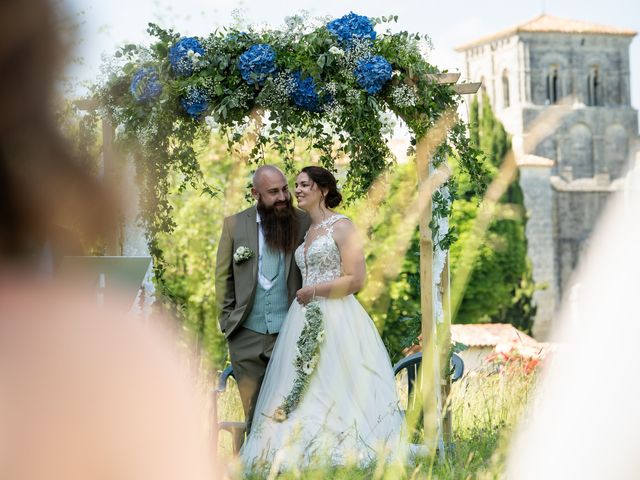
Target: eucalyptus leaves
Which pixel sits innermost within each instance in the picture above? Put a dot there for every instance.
(306, 360)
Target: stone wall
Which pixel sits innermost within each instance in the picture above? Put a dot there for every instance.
(577, 209)
(591, 147)
(536, 187)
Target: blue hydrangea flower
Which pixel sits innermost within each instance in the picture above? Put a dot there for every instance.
(304, 94)
(182, 62)
(372, 73)
(195, 102)
(145, 85)
(257, 63)
(351, 27)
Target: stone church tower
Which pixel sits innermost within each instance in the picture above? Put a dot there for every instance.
(580, 71)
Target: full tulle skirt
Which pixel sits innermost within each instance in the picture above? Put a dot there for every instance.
(350, 411)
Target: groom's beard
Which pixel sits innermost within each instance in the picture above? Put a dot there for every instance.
(279, 225)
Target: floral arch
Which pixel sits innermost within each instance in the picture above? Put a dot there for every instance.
(330, 84)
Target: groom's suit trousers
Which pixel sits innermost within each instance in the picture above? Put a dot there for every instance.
(250, 353)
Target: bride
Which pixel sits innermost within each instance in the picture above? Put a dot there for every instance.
(349, 409)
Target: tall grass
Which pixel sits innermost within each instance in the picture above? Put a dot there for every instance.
(485, 405)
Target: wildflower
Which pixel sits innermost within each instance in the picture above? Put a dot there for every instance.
(279, 415)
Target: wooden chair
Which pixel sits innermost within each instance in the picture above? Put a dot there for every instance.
(236, 429)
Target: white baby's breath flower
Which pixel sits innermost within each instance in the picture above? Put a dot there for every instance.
(337, 51)
(211, 122)
(277, 90)
(331, 88)
(353, 95)
(334, 110)
(404, 95)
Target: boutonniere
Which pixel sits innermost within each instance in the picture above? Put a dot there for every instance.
(242, 254)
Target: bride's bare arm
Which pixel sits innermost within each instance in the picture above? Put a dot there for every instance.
(353, 265)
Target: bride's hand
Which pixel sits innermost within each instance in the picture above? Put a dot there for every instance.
(305, 295)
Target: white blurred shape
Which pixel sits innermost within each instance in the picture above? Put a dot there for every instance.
(585, 421)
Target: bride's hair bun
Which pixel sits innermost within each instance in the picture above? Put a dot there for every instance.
(326, 181)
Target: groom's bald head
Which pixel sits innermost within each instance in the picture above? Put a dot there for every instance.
(267, 172)
(271, 187)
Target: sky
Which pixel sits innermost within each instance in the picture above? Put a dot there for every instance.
(103, 25)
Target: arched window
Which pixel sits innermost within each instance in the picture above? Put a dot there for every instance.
(553, 85)
(505, 89)
(594, 88)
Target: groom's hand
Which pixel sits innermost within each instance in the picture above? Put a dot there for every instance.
(305, 295)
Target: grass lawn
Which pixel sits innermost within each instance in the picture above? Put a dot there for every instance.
(485, 406)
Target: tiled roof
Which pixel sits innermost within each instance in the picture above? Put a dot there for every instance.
(548, 23)
(489, 335)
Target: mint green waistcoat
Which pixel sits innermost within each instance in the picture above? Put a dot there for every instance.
(269, 306)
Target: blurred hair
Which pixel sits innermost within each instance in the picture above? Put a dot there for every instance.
(41, 183)
(326, 181)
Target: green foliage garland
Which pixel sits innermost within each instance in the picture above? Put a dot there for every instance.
(165, 136)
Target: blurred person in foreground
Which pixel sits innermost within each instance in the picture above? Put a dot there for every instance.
(84, 392)
(584, 422)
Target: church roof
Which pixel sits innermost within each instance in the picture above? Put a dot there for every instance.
(546, 24)
(489, 334)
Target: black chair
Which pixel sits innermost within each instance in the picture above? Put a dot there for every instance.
(236, 429)
(412, 362)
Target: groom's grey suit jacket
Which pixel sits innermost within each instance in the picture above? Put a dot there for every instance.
(236, 283)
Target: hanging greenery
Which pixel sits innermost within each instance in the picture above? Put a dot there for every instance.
(333, 85)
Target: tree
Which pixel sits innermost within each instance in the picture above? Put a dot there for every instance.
(500, 288)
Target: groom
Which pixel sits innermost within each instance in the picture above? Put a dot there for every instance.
(257, 278)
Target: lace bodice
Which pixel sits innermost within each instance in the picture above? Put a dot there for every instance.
(321, 262)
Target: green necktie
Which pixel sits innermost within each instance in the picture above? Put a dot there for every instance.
(270, 261)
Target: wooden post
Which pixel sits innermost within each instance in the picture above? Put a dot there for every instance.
(428, 382)
(109, 164)
(110, 176)
(436, 342)
(445, 345)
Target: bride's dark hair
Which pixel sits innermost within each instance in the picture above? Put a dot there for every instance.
(325, 181)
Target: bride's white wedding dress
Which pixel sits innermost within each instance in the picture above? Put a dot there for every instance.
(350, 411)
